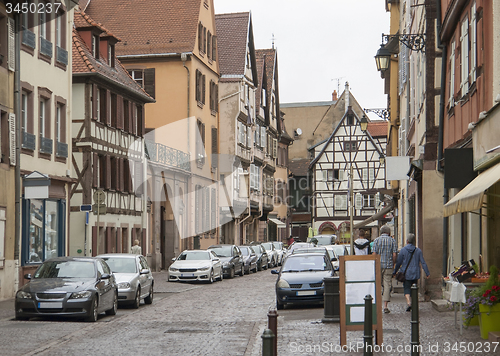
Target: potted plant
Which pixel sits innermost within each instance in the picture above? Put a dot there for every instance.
(487, 301)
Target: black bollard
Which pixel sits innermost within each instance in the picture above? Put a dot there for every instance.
(331, 297)
(368, 337)
(415, 343)
(272, 324)
(267, 343)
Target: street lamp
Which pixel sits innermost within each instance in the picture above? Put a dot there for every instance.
(382, 58)
(363, 123)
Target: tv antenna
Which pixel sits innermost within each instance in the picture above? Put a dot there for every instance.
(338, 83)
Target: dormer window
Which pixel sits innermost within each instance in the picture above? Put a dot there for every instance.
(111, 55)
(95, 46)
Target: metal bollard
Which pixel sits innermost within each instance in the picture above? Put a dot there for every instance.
(331, 297)
(272, 324)
(414, 321)
(267, 343)
(368, 337)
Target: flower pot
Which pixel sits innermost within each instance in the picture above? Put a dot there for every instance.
(489, 319)
(474, 321)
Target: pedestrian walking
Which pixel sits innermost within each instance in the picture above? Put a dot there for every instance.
(410, 259)
(361, 245)
(136, 249)
(386, 247)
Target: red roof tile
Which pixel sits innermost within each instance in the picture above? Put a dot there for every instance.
(149, 26)
(378, 129)
(232, 37)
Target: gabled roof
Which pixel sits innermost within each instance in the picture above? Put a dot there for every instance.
(378, 129)
(299, 167)
(149, 27)
(84, 63)
(234, 35)
(260, 59)
(330, 139)
(84, 21)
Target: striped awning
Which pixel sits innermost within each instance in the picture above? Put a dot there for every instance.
(278, 223)
(471, 197)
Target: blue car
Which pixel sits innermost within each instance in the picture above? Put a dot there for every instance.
(300, 279)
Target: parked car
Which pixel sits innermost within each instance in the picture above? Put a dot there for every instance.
(300, 279)
(280, 250)
(262, 261)
(81, 287)
(298, 245)
(196, 265)
(322, 240)
(133, 277)
(249, 258)
(231, 259)
(272, 254)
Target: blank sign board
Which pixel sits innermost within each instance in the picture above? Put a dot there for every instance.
(357, 271)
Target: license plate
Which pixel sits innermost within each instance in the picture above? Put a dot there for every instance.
(306, 292)
(50, 305)
(187, 274)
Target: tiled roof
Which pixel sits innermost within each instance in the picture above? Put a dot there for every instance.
(84, 62)
(299, 167)
(378, 129)
(269, 55)
(82, 20)
(260, 75)
(149, 26)
(232, 37)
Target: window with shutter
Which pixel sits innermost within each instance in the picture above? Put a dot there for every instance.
(263, 137)
(200, 36)
(403, 63)
(209, 45)
(473, 43)
(12, 138)
(213, 209)
(359, 201)
(203, 89)
(464, 57)
(214, 147)
(214, 48)
(249, 137)
(340, 201)
(206, 226)
(109, 168)
(216, 97)
(149, 81)
(103, 102)
(275, 147)
(451, 100)
(11, 44)
(138, 179)
(95, 170)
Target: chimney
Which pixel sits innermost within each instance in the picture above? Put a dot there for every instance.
(334, 96)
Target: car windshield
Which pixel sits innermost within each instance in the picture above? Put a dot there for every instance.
(244, 251)
(300, 245)
(322, 240)
(277, 245)
(331, 253)
(194, 255)
(256, 249)
(308, 250)
(268, 246)
(305, 263)
(121, 265)
(66, 269)
(222, 251)
(339, 250)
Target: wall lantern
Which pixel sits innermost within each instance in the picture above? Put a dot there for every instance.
(363, 123)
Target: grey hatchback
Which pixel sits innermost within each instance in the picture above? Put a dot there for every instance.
(133, 277)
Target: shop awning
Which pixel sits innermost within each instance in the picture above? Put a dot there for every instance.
(471, 197)
(376, 216)
(278, 223)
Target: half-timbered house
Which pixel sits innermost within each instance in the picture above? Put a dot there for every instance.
(348, 151)
(108, 146)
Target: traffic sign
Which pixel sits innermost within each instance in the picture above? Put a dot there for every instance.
(99, 197)
(86, 207)
(102, 209)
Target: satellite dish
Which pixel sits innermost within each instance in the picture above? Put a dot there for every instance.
(298, 131)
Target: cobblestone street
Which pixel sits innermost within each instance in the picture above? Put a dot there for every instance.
(224, 318)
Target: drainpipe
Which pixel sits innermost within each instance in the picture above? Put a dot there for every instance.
(441, 135)
(184, 58)
(17, 179)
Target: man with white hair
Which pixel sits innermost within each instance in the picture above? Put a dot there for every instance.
(386, 247)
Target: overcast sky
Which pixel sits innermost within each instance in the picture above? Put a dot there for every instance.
(320, 43)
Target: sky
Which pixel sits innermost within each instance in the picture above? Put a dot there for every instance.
(321, 44)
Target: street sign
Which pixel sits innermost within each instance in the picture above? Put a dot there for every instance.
(102, 209)
(99, 197)
(86, 207)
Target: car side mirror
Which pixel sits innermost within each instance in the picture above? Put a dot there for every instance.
(27, 276)
(173, 259)
(216, 259)
(145, 271)
(105, 276)
(274, 271)
(334, 259)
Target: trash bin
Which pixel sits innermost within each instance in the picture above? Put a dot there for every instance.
(331, 297)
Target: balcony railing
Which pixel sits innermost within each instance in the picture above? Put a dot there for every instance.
(61, 55)
(45, 47)
(46, 145)
(29, 38)
(156, 152)
(62, 149)
(29, 141)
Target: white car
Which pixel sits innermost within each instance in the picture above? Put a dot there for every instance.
(196, 265)
(280, 250)
(272, 254)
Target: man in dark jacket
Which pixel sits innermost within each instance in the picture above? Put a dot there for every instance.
(412, 267)
(361, 245)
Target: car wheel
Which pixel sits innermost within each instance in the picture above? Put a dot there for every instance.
(221, 277)
(137, 300)
(242, 272)
(279, 306)
(211, 279)
(149, 298)
(231, 273)
(259, 267)
(93, 313)
(266, 266)
(114, 308)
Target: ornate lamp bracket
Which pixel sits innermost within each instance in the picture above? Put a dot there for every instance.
(415, 42)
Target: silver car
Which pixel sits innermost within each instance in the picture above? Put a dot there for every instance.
(133, 276)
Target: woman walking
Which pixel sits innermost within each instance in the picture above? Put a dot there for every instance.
(409, 260)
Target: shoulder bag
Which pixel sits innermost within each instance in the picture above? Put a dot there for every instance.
(401, 276)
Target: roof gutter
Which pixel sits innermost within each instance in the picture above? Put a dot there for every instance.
(152, 55)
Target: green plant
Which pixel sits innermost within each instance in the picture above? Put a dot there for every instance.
(487, 294)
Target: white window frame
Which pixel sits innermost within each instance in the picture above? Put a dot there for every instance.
(41, 116)
(473, 44)
(464, 57)
(451, 98)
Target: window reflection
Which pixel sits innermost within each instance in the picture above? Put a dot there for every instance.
(43, 230)
(50, 229)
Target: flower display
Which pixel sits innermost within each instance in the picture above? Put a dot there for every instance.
(487, 294)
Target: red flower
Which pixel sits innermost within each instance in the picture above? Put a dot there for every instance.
(493, 298)
(487, 292)
(495, 288)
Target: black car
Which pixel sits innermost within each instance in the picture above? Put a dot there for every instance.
(300, 280)
(231, 259)
(249, 258)
(262, 260)
(81, 287)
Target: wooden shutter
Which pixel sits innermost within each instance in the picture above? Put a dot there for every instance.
(203, 89)
(11, 45)
(275, 148)
(95, 170)
(119, 112)
(141, 122)
(108, 172)
(108, 107)
(214, 147)
(197, 85)
(120, 175)
(359, 201)
(216, 97)
(214, 210)
(138, 178)
(214, 48)
(12, 138)
(94, 102)
(149, 81)
(109, 244)
(131, 170)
